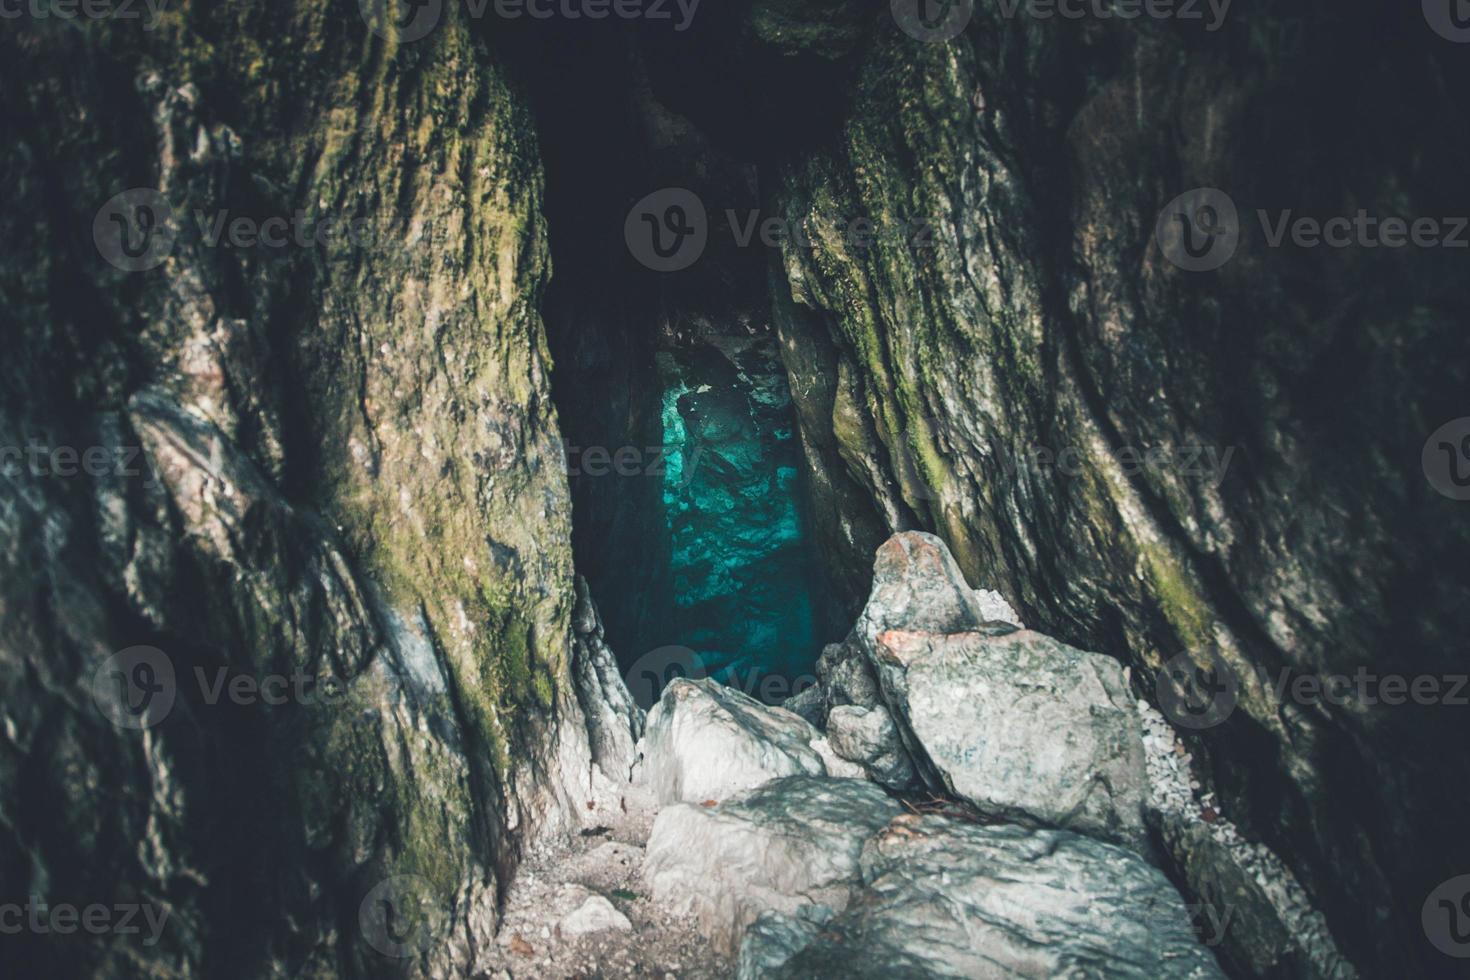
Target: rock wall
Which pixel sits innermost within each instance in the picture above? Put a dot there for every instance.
(330, 457)
(1287, 525)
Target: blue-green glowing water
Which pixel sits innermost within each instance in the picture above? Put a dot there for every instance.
(745, 584)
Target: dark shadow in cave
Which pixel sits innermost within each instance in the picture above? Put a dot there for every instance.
(690, 518)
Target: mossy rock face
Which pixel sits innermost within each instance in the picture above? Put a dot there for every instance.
(1287, 523)
(351, 474)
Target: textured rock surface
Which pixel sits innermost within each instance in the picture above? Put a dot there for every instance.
(1044, 320)
(405, 535)
(789, 843)
(1266, 925)
(595, 914)
(774, 938)
(869, 737)
(946, 899)
(614, 720)
(705, 741)
(1025, 728)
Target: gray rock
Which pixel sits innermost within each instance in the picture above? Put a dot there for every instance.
(775, 938)
(949, 899)
(1021, 726)
(790, 843)
(705, 741)
(614, 720)
(868, 737)
(846, 677)
(918, 586)
(810, 705)
(595, 914)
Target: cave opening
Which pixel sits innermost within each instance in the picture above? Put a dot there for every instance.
(690, 519)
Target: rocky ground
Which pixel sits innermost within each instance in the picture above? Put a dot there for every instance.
(1053, 825)
(581, 910)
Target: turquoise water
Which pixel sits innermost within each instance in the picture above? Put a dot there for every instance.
(746, 587)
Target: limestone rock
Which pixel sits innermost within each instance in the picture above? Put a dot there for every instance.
(868, 737)
(705, 741)
(1022, 726)
(787, 844)
(773, 938)
(595, 914)
(948, 899)
(614, 720)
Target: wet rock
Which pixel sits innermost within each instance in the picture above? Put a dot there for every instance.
(789, 843)
(705, 741)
